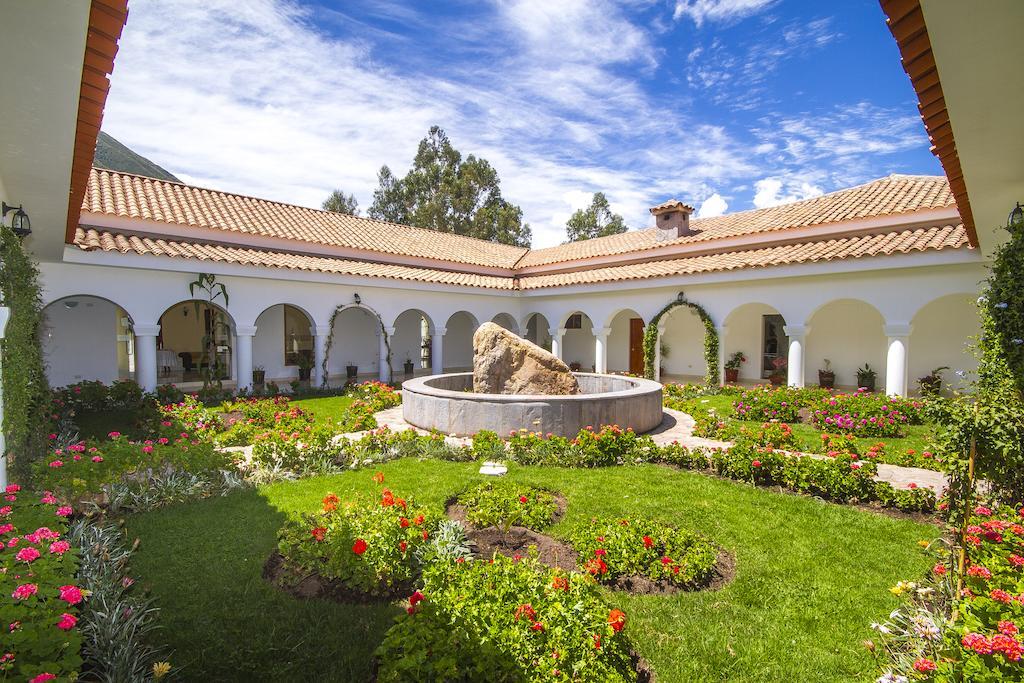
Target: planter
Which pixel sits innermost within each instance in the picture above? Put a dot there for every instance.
(304, 374)
(575, 367)
(409, 367)
(351, 371)
(930, 385)
(826, 379)
(732, 374)
(777, 380)
(866, 383)
(258, 376)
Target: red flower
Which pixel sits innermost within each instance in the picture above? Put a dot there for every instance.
(402, 545)
(359, 547)
(415, 598)
(526, 610)
(597, 642)
(387, 499)
(1001, 596)
(418, 520)
(924, 665)
(560, 583)
(666, 560)
(318, 533)
(403, 522)
(1016, 560)
(425, 535)
(939, 569)
(617, 619)
(596, 566)
(330, 502)
(537, 626)
(756, 463)
(1008, 628)
(379, 477)
(648, 541)
(600, 552)
(523, 499)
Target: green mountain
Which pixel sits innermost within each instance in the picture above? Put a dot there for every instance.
(113, 156)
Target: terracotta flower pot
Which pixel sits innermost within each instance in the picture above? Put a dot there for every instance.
(732, 374)
(826, 380)
(777, 380)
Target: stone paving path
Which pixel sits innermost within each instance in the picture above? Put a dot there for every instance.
(677, 427)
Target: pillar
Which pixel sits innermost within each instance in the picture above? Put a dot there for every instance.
(720, 331)
(437, 350)
(243, 356)
(556, 341)
(5, 316)
(384, 368)
(320, 334)
(896, 359)
(145, 356)
(657, 354)
(795, 363)
(601, 349)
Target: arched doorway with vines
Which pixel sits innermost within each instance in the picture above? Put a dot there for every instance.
(711, 340)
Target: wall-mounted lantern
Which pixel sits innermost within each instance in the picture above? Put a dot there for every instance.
(1015, 221)
(20, 224)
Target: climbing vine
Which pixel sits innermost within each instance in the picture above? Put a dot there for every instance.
(26, 393)
(710, 339)
(330, 339)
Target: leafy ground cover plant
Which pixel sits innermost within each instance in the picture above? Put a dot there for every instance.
(39, 597)
(245, 418)
(766, 403)
(605, 447)
(507, 620)
(505, 504)
(370, 397)
(611, 549)
(866, 414)
(371, 544)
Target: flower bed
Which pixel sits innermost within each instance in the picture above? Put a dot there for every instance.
(866, 414)
(370, 397)
(248, 418)
(507, 620)
(38, 595)
(619, 551)
(505, 504)
(602, 448)
(764, 403)
(370, 545)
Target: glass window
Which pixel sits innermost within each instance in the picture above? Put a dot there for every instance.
(298, 340)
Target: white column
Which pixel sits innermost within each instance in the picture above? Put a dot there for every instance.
(383, 370)
(657, 354)
(795, 365)
(556, 341)
(896, 359)
(320, 334)
(243, 356)
(437, 351)
(601, 349)
(5, 316)
(145, 355)
(720, 330)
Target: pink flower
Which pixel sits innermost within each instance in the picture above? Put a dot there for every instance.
(48, 498)
(70, 594)
(27, 554)
(25, 591)
(97, 458)
(64, 511)
(114, 435)
(59, 547)
(6, 528)
(147, 449)
(42, 678)
(56, 463)
(67, 622)
(12, 488)
(6, 510)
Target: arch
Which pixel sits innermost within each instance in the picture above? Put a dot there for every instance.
(87, 337)
(507, 321)
(196, 341)
(458, 341)
(352, 348)
(940, 335)
(755, 330)
(578, 348)
(283, 335)
(683, 346)
(849, 332)
(537, 329)
(411, 339)
(625, 341)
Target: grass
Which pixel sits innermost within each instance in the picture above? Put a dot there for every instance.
(327, 409)
(810, 577)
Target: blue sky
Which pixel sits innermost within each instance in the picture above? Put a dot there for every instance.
(726, 104)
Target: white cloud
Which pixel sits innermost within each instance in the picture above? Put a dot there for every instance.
(769, 192)
(719, 10)
(714, 205)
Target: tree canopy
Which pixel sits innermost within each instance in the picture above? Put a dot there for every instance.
(444, 192)
(339, 202)
(597, 220)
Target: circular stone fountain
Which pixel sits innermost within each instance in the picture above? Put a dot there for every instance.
(446, 403)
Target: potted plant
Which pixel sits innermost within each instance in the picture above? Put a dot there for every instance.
(409, 368)
(305, 366)
(351, 370)
(827, 377)
(866, 378)
(778, 376)
(575, 366)
(258, 375)
(931, 384)
(732, 366)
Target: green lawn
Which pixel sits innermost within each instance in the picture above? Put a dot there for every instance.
(327, 410)
(810, 577)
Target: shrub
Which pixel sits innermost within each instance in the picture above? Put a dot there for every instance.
(369, 544)
(680, 456)
(534, 448)
(916, 499)
(506, 620)
(487, 445)
(258, 416)
(866, 414)
(773, 435)
(311, 450)
(613, 548)
(505, 504)
(39, 597)
(189, 415)
(766, 403)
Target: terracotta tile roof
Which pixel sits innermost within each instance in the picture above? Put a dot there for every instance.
(132, 196)
(895, 194)
(90, 239)
(904, 241)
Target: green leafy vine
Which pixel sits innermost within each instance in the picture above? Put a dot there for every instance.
(330, 340)
(710, 339)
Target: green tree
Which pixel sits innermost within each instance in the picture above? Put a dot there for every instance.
(597, 220)
(444, 192)
(339, 202)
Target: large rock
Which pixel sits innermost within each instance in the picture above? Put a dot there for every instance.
(504, 363)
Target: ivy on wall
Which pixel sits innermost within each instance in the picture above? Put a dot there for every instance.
(330, 339)
(1005, 303)
(26, 393)
(710, 339)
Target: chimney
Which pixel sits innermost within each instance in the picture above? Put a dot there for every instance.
(672, 219)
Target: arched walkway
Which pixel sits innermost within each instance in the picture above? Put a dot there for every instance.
(849, 333)
(87, 338)
(682, 346)
(577, 347)
(538, 330)
(626, 342)
(507, 321)
(355, 346)
(756, 330)
(195, 343)
(411, 342)
(283, 341)
(940, 336)
(458, 342)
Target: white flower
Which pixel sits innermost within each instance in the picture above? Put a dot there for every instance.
(890, 677)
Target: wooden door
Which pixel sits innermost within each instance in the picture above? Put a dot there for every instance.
(636, 346)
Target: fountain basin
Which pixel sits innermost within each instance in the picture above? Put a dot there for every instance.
(446, 403)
